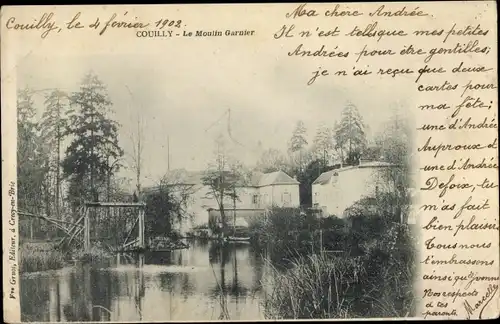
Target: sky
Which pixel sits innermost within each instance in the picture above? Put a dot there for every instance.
(179, 95)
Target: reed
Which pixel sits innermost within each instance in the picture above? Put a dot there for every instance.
(315, 287)
(373, 277)
(39, 257)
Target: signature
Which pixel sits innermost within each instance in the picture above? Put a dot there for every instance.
(482, 303)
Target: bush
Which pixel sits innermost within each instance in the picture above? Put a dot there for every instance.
(291, 232)
(390, 266)
(288, 229)
(377, 283)
(374, 277)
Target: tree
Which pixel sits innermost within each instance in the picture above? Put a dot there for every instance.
(298, 144)
(272, 160)
(53, 126)
(222, 178)
(30, 165)
(394, 143)
(31, 160)
(137, 145)
(323, 144)
(95, 139)
(310, 173)
(350, 135)
(167, 204)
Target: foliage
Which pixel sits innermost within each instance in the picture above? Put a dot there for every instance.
(312, 171)
(395, 146)
(297, 146)
(32, 159)
(166, 205)
(223, 177)
(39, 257)
(53, 127)
(373, 278)
(298, 140)
(323, 144)
(387, 250)
(273, 160)
(350, 137)
(95, 139)
(315, 287)
(286, 231)
(54, 122)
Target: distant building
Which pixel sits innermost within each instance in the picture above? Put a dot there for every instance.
(261, 191)
(336, 190)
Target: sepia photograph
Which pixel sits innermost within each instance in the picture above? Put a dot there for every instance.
(152, 191)
(256, 162)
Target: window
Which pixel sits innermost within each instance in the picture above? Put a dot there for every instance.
(286, 198)
(315, 198)
(255, 199)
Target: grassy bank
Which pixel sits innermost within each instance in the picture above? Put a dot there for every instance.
(44, 256)
(371, 277)
(35, 257)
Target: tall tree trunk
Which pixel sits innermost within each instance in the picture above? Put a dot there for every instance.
(138, 185)
(92, 189)
(108, 189)
(234, 211)
(58, 161)
(223, 214)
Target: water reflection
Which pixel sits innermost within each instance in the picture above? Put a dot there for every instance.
(208, 281)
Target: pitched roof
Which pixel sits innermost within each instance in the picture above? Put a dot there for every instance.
(278, 177)
(179, 177)
(325, 177)
(375, 164)
(255, 179)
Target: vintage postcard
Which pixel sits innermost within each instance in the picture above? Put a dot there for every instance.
(225, 162)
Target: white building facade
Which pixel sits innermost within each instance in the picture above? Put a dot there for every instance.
(336, 190)
(263, 191)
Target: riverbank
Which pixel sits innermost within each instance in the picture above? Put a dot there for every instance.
(43, 256)
(359, 267)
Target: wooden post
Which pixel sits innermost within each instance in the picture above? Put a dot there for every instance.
(86, 230)
(141, 228)
(321, 241)
(141, 260)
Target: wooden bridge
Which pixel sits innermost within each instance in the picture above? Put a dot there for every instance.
(74, 230)
(138, 243)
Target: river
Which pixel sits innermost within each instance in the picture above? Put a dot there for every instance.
(204, 282)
